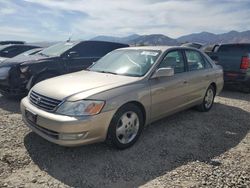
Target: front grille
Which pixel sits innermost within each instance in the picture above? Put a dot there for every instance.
(43, 102)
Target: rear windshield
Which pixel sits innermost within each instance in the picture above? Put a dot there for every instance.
(234, 48)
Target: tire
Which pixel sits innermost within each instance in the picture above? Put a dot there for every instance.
(208, 100)
(125, 127)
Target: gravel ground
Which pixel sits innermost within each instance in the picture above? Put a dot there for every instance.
(189, 149)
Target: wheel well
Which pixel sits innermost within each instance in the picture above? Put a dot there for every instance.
(140, 105)
(214, 85)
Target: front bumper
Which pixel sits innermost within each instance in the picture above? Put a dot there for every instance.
(13, 85)
(54, 127)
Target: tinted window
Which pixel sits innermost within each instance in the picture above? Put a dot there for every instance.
(195, 60)
(234, 48)
(21, 49)
(94, 49)
(9, 52)
(174, 60)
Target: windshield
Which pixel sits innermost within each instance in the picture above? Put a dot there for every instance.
(57, 49)
(127, 62)
(2, 47)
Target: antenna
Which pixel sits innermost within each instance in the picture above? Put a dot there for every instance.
(70, 36)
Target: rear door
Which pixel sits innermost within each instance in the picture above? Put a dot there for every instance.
(199, 75)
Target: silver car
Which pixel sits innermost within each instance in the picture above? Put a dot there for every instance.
(121, 93)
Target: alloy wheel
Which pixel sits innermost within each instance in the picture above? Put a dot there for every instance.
(127, 127)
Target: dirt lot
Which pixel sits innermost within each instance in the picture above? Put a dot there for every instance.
(189, 149)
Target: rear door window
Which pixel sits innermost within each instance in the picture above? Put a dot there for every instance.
(195, 60)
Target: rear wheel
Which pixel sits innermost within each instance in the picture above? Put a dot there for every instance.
(125, 127)
(208, 100)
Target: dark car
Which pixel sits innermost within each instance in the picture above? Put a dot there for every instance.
(18, 76)
(235, 60)
(11, 42)
(12, 50)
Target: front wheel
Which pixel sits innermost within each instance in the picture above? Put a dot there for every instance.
(125, 127)
(208, 100)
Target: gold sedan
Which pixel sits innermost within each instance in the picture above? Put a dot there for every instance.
(121, 93)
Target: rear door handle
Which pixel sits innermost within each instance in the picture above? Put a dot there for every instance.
(185, 82)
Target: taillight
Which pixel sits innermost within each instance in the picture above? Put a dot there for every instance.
(245, 63)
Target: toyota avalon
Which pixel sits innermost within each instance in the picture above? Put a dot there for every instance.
(121, 93)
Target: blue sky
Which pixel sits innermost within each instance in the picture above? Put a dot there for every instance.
(53, 20)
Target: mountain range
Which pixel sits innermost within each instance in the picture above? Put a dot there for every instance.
(159, 39)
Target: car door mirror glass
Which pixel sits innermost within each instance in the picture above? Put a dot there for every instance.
(163, 72)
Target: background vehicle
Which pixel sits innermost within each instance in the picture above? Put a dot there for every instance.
(11, 42)
(19, 75)
(128, 88)
(235, 60)
(12, 50)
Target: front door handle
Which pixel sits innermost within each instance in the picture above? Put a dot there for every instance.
(185, 82)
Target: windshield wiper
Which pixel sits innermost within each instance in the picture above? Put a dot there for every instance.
(108, 72)
(43, 54)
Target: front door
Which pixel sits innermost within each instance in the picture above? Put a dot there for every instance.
(169, 93)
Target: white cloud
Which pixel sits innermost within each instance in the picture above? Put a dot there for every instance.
(6, 11)
(120, 18)
(16, 33)
(173, 18)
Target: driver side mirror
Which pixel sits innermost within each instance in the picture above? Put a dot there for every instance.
(72, 54)
(163, 72)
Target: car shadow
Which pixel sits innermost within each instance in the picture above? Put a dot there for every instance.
(163, 146)
(234, 94)
(10, 105)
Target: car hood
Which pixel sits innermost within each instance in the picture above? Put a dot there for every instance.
(85, 82)
(25, 60)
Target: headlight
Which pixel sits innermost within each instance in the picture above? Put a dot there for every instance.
(81, 108)
(4, 71)
(24, 69)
